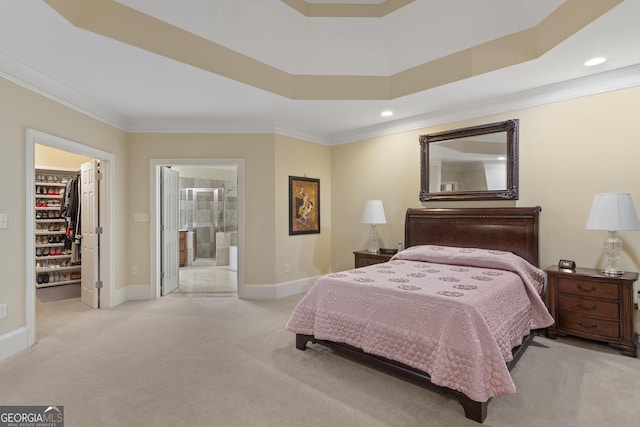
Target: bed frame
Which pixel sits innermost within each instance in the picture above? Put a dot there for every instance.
(511, 229)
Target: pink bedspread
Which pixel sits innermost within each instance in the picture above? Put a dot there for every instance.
(454, 313)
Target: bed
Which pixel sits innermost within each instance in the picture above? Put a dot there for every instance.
(486, 299)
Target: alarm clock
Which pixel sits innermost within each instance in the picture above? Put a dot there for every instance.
(566, 264)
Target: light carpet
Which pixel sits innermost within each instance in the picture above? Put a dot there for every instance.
(228, 362)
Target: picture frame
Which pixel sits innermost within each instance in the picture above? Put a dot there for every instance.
(304, 205)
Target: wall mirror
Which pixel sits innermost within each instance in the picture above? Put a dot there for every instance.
(473, 163)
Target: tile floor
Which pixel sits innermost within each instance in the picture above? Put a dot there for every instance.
(204, 277)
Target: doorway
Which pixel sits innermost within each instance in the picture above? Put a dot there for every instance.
(106, 211)
(210, 229)
(208, 223)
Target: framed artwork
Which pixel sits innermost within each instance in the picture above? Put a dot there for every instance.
(304, 205)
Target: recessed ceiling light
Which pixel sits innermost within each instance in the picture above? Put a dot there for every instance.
(594, 61)
(386, 113)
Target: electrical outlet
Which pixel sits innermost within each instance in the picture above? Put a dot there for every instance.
(134, 269)
(287, 268)
(3, 311)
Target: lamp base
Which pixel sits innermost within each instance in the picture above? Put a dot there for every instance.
(609, 271)
(612, 249)
(373, 240)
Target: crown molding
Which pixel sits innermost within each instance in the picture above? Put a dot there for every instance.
(49, 88)
(618, 79)
(39, 83)
(622, 78)
(213, 126)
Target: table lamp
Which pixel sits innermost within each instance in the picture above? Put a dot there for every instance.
(612, 212)
(373, 213)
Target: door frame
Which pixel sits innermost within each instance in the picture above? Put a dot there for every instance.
(155, 260)
(107, 215)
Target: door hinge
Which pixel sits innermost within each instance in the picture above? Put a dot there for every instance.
(98, 176)
(99, 284)
(99, 230)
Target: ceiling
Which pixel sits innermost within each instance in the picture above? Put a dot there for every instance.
(308, 69)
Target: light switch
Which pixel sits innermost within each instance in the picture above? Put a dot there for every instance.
(3, 221)
(141, 217)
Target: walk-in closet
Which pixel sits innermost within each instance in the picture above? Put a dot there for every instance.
(57, 229)
(57, 205)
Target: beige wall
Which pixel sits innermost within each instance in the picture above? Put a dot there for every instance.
(307, 255)
(386, 168)
(568, 152)
(219, 173)
(21, 109)
(259, 195)
(51, 157)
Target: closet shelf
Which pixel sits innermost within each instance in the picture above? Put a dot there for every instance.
(51, 184)
(66, 282)
(49, 196)
(43, 257)
(50, 269)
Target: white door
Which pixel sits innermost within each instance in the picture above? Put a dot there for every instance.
(90, 243)
(169, 234)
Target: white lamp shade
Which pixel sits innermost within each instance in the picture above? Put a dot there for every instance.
(373, 213)
(612, 212)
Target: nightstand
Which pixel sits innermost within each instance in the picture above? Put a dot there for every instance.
(364, 258)
(588, 304)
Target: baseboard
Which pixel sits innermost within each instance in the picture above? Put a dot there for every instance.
(13, 343)
(138, 292)
(276, 291)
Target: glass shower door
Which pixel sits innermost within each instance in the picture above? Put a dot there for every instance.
(202, 210)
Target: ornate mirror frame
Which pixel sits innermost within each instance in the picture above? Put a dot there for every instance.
(509, 127)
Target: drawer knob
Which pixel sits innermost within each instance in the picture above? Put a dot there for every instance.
(593, 288)
(593, 325)
(593, 306)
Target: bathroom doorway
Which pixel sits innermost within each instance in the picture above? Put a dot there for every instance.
(208, 223)
(209, 210)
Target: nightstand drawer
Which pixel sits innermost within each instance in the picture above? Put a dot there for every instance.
(589, 307)
(364, 261)
(589, 288)
(365, 258)
(589, 325)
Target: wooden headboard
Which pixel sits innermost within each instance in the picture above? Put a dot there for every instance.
(509, 229)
